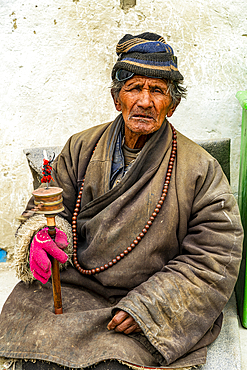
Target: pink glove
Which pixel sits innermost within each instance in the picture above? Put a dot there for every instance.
(42, 245)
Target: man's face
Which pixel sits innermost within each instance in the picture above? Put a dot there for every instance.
(144, 103)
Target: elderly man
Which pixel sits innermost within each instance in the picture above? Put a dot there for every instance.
(156, 237)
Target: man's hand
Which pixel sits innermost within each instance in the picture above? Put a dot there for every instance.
(123, 322)
(42, 246)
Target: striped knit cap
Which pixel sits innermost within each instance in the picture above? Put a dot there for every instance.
(147, 54)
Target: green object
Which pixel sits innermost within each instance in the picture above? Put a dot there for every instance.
(241, 286)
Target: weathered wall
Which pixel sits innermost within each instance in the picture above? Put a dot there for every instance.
(56, 59)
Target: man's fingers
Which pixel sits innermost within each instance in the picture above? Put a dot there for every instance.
(137, 330)
(127, 323)
(40, 259)
(119, 317)
(52, 249)
(61, 239)
(40, 271)
(133, 329)
(40, 278)
(122, 322)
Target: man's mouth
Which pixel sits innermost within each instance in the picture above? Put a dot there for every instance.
(142, 116)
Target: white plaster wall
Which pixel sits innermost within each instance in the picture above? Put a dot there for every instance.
(56, 60)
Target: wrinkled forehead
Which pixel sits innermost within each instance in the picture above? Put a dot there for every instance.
(145, 80)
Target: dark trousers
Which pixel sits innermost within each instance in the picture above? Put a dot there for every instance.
(40, 365)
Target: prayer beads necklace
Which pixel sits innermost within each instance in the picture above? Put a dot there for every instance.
(141, 235)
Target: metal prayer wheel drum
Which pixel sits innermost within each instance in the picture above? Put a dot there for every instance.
(51, 200)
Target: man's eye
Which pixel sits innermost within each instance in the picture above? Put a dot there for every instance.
(158, 91)
(137, 87)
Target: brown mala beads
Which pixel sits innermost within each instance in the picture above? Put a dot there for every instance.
(141, 235)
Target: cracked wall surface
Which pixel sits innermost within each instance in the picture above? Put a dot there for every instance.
(57, 58)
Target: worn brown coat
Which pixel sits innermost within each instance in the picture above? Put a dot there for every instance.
(175, 283)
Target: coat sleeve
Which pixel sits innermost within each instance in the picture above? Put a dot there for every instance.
(68, 171)
(177, 307)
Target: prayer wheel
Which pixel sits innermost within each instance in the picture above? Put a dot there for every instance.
(50, 203)
(51, 199)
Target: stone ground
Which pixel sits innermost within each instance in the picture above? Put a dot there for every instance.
(229, 352)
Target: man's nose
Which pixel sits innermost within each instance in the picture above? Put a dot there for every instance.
(145, 99)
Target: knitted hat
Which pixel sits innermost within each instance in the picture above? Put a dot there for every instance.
(146, 54)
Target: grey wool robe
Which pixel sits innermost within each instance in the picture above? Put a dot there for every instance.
(174, 283)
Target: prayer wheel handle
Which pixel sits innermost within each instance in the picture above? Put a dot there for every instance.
(51, 201)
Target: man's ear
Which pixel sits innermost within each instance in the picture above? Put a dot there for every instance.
(172, 109)
(116, 102)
